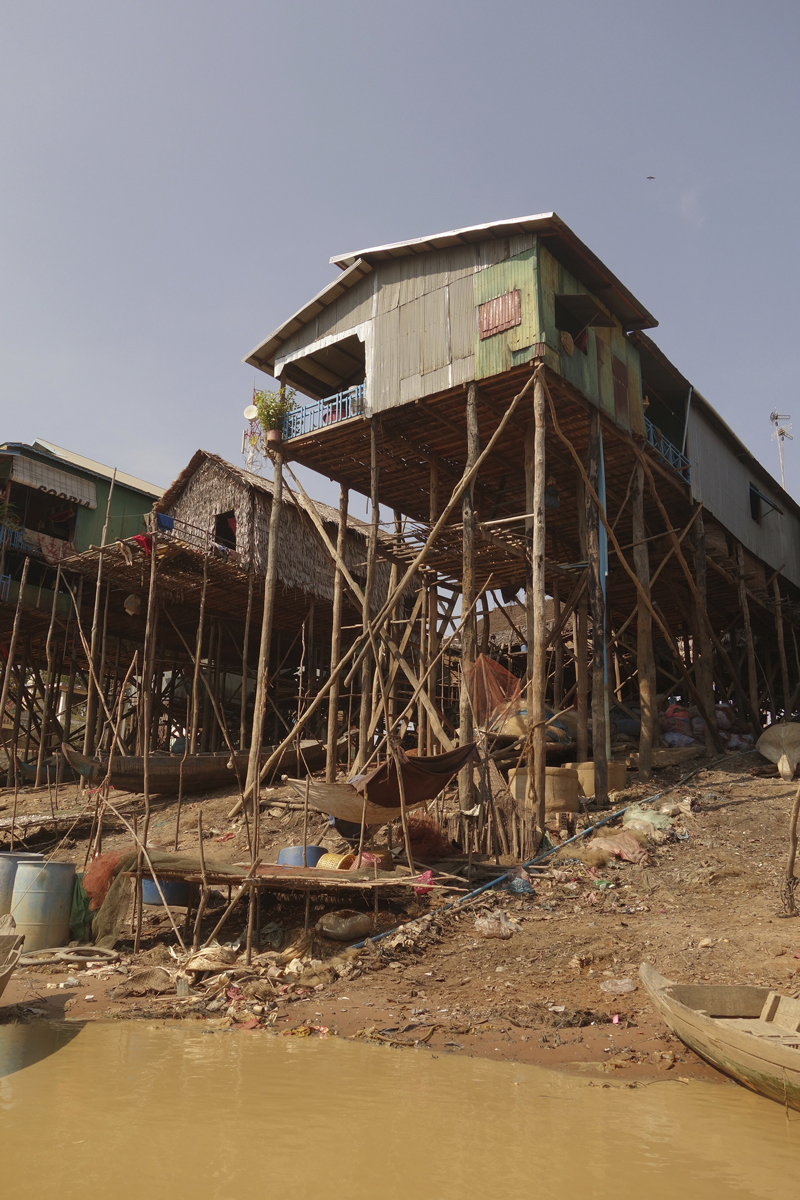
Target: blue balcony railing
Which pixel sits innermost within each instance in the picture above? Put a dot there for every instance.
(324, 412)
(671, 454)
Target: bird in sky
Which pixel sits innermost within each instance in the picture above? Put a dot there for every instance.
(651, 176)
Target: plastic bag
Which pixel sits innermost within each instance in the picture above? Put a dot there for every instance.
(495, 925)
(658, 820)
(617, 987)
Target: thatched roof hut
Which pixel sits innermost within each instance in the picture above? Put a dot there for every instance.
(214, 505)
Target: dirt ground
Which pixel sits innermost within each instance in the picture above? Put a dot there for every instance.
(704, 907)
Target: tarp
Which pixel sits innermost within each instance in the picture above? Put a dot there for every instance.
(423, 778)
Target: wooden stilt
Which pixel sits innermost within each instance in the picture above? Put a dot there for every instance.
(776, 592)
(704, 673)
(580, 633)
(645, 658)
(366, 611)
(198, 654)
(752, 677)
(91, 697)
(245, 653)
(47, 701)
(262, 682)
(558, 649)
(537, 623)
(12, 647)
(598, 607)
(147, 677)
(336, 640)
(466, 789)
(433, 605)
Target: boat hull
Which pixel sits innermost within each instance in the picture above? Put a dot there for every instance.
(772, 1070)
(170, 773)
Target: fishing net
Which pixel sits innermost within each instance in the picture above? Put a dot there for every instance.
(495, 693)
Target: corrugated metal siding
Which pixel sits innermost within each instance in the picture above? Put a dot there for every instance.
(493, 355)
(495, 316)
(722, 483)
(463, 318)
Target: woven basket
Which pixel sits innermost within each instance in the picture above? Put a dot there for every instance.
(336, 862)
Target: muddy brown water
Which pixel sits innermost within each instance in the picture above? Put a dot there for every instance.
(155, 1111)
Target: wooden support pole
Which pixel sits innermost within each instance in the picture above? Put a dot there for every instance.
(776, 592)
(147, 682)
(598, 608)
(10, 662)
(245, 652)
(394, 574)
(366, 610)
(433, 606)
(580, 632)
(645, 656)
(752, 677)
(94, 680)
(197, 668)
(537, 736)
(558, 649)
(466, 790)
(336, 640)
(705, 651)
(262, 682)
(47, 702)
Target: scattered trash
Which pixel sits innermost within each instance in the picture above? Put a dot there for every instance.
(495, 925)
(658, 820)
(617, 987)
(425, 883)
(519, 881)
(344, 925)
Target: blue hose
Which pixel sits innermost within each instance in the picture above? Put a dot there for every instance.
(485, 887)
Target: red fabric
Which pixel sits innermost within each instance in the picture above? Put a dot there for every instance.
(493, 690)
(144, 541)
(423, 778)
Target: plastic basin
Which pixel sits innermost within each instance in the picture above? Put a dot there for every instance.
(177, 892)
(292, 856)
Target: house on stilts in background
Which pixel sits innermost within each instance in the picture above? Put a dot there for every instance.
(609, 483)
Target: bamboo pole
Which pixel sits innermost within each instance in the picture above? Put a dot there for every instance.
(705, 652)
(49, 655)
(12, 647)
(645, 658)
(147, 680)
(367, 664)
(201, 907)
(580, 630)
(466, 787)
(336, 640)
(598, 607)
(197, 660)
(776, 592)
(245, 651)
(91, 698)
(262, 682)
(538, 551)
(433, 605)
(558, 648)
(752, 677)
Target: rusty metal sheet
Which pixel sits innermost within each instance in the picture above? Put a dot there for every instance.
(503, 312)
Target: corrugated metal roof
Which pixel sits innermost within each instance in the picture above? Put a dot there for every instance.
(263, 356)
(560, 240)
(96, 468)
(558, 237)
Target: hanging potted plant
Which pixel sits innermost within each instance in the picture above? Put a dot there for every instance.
(272, 408)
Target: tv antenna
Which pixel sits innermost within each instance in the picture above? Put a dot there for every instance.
(783, 429)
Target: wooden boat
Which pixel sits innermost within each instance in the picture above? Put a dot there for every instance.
(749, 1033)
(201, 772)
(11, 944)
(27, 771)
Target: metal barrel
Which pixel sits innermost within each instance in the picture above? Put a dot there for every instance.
(41, 903)
(8, 871)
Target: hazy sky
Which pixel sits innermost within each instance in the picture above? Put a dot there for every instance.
(175, 177)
